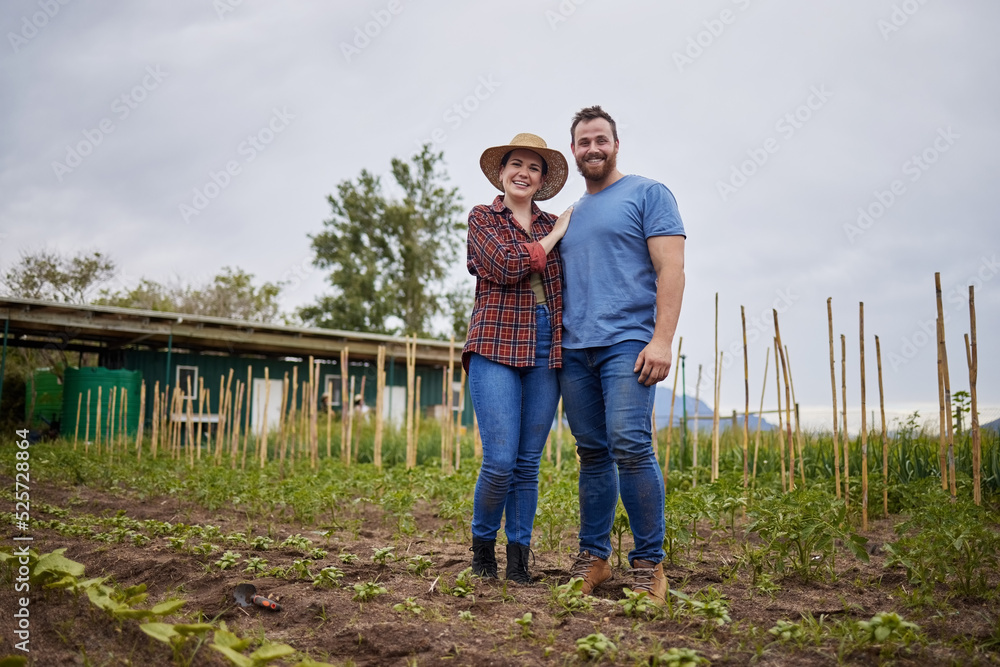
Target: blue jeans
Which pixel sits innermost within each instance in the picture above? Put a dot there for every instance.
(515, 407)
(610, 415)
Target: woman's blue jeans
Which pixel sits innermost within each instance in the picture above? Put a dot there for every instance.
(609, 413)
(515, 407)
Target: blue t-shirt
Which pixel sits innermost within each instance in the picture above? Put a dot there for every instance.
(609, 284)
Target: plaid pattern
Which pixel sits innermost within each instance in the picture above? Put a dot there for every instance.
(502, 256)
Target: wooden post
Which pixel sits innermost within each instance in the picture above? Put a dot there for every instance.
(864, 422)
(781, 417)
(86, 436)
(262, 439)
(112, 404)
(715, 398)
(142, 420)
(234, 446)
(448, 455)
(349, 416)
(156, 419)
(344, 361)
(670, 422)
(201, 413)
(246, 418)
(283, 425)
(795, 411)
(946, 379)
(97, 420)
(972, 354)
(379, 405)
(760, 416)
(788, 404)
(843, 401)
(833, 389)
(885, 436)
(417, 393)
(458, 421)
(76, 431)
(694, 448)
(746, 406)
(411, 444)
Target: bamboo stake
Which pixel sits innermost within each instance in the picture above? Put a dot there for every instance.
(357, 433)
(314, 417)
(123, 421)
(451, 407)
(760, 415)
(262, 438)
(349, 416)
(885, 437)
(86, 437)
(142, 420)
(694, 450)
(458, 421)
(788, 404)
(795, 411)
(972, 354)
(189, 412)
(445, 416)
(559, 434)
(112, 401)
(343, 400)
(746, 406)
(154, 434)
(843, 401)
(670, 422)
(411, 444)
(201, 412)
(234, 432)
(294, 433)
(715, 398)
(833, 389)
(781, 423)
(417, 418)
(76, 431)
(864, 422)
(379, 398)
(220, 424)
(946, 376)
(97, 428)
(246, 425)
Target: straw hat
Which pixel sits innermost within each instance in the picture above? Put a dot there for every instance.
(555, 179)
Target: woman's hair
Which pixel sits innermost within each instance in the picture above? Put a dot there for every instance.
(506, 156)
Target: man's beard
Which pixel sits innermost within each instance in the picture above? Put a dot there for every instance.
(599, 171)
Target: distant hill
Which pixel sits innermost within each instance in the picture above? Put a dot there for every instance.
(991, 426)
(662, 403)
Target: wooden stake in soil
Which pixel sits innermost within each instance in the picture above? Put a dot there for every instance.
(411, 444)
(458, 420)
(885, 437)
(201, 413)
(670, 422)
(843, 401)
(781, 417)
(234, 446)
(142, 420)
(110, 430)
(760, 415)
(76, 431)
(694, 448)
(788, 404)
(746, 406)
(379, 402)
(156, 419)
(86, 436)
(97, 420)
(262, 438)
(713, 475)
(946, 377)
(448, 455)
(864, 423)
(344, 360)
(795, 411)
(833, 389)
(972, 354)
(246, 425)
(417, 393)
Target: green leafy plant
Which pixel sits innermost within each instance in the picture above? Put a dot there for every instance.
(367, 591)
(525, 623)
(464, 586)
(418, 565)
(347, 558)
(678, 657)
(637, 604)
(255, 565)
(410, 605)
(568, 598)
(595, 646)
(382, 555)
(328, 577)
(888, 628)
(228, 560)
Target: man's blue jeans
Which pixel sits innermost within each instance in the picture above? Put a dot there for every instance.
(515, 407)
(610, 415)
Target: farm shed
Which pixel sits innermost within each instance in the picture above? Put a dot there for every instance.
(169, 348)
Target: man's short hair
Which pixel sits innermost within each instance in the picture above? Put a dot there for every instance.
(592, 113)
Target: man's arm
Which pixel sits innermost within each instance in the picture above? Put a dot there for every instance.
(667, 255)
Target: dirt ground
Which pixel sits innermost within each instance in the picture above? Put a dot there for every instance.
(328, 626)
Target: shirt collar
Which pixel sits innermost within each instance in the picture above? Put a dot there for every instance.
(500, 207)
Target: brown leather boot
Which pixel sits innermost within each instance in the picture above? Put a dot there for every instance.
(591, 569)
(649, 577)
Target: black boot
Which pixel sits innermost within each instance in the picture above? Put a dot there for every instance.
(517, 564)
(484, 560)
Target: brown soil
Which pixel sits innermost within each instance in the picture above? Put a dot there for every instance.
(328, 626)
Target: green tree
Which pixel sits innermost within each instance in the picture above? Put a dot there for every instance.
(49, 276)
(229, 294)
(388, 257)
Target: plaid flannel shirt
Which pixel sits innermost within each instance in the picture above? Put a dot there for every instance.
(502, 256)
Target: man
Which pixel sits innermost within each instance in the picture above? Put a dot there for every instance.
(623, 259)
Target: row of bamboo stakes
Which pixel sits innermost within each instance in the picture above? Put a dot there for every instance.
(840, 438)
(174, 419)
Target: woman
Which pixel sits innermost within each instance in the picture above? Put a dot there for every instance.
(514, 344)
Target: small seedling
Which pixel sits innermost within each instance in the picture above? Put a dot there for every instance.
(382, 555)
(328, 577)
(367, 591)
(409, 604)
(595, 646)
(525, 623)
(228, 560)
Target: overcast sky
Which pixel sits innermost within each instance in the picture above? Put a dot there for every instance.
(821, 149)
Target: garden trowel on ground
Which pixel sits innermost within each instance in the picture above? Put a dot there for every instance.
(246, 595)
